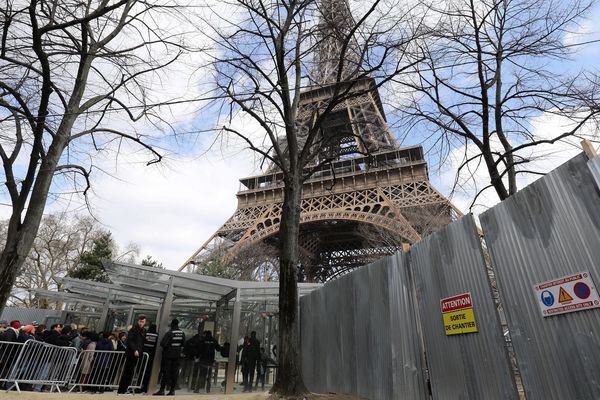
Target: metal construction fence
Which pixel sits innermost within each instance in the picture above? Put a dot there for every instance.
(439, 320)
(40, 315)
(38, 364)
(356, 335)
(545, 232)
(474, 366)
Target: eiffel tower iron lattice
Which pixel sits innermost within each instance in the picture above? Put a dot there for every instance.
(371, 184)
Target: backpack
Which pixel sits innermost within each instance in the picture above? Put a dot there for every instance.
(190, 348)
(225, 350)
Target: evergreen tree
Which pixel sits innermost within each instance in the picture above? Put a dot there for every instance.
(90, 266)
(149, 262)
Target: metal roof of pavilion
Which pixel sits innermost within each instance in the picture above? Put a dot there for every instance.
(189, 288)
(53, 295)
(144, 286)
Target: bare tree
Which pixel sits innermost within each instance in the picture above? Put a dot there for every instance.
(267, 53)
(490, 67)
(56, 250)
(74, 80)
(256, 261)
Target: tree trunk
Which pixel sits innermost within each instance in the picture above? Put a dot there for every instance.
(495, 179)
(20, 235)
(10, 263)
(289, 377)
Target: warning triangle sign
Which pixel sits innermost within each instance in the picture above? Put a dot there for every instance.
(564, 296)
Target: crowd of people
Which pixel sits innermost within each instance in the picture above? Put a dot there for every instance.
(58, 334)
(191, 359)
(65, 336)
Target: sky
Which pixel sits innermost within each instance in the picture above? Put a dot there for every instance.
(169, 209)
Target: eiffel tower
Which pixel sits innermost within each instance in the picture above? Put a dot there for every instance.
(370, 200)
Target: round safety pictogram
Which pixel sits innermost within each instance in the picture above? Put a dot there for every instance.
(582, 290)
(547, 298)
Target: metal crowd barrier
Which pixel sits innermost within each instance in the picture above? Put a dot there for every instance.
(9, 352)
(39, 364)
(100, 370)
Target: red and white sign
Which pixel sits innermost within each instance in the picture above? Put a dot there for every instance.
(454, 303)
(567, 294)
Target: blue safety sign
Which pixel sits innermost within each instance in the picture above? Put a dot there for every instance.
(547, 298)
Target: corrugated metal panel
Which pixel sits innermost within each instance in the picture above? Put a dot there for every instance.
(548, 230)
(358, 335)
(28, 315)
(307, 339)
(469, 366)
(406, 351)
(594, 166)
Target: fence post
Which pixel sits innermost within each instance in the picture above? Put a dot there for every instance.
(165, 312)
(233, 340)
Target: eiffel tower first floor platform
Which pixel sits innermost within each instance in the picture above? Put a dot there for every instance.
(353, 213)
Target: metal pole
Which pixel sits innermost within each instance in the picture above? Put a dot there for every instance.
(165, 313)
(216, 327)
(264, 332)
(129, 317)
(63, 317)
(104, 313)
(268, 349)
(233, 340)
(218, 339)
(270, 336)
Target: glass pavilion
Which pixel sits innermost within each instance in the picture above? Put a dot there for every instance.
(229, 308)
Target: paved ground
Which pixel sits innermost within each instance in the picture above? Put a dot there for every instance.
(111, 396)
(181, 394)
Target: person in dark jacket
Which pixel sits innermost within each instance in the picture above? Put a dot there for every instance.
(122, 341)
(12, 332)
(9, 353)
(172, 344)
(3, 326)
(190, 354)
(261, 368)
(133, 353)
(41, 333)
(55, 336)
(104, 359)
(150, 342)
(26, 333)
(250, 355)
(206, 356)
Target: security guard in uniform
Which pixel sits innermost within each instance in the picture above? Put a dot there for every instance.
(150, 342)
(171, 343)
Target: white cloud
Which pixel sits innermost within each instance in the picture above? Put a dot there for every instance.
(169, 211)
(587, 29)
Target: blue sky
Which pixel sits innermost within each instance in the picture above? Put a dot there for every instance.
(171, 208)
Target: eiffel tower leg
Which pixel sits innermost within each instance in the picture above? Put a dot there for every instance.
(193, 256)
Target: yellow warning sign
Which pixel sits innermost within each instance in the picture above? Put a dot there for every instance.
(563, 296)
(458, 322)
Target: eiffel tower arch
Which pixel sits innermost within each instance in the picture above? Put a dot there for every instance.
(368, 184)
